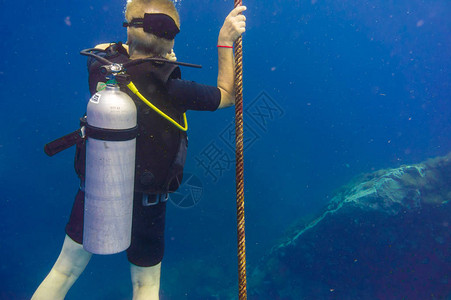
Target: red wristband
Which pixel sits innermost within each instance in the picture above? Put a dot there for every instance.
(221, 46)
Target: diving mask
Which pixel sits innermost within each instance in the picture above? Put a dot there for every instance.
(161, 25)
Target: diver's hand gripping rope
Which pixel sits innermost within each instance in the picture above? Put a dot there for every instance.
(240, 165)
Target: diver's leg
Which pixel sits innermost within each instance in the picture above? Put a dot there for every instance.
(147, 247)
(146, 282)
(68, 267)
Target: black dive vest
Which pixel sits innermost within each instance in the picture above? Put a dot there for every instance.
(160, 146)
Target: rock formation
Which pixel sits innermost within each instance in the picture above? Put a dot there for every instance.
(386, 235)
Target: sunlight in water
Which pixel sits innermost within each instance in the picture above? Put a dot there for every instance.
(178, 3)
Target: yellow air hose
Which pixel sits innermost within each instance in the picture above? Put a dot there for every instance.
(135, 91)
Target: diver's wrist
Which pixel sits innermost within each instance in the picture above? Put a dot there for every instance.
(225, 42)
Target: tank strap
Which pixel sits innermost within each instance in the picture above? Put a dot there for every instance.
(114, 135)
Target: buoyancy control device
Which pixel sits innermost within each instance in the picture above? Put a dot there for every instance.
(109, 131)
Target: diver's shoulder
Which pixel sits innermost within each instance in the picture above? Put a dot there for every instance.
(103, 46)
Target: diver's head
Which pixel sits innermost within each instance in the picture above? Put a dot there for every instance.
(152, 26)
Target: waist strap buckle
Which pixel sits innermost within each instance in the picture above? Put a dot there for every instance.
(154, 199)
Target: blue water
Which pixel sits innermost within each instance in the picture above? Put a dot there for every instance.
(355, 86)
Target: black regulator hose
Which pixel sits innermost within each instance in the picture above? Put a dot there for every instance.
(89, 52)
(134, 62)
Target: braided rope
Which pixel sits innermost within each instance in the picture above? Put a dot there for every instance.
(240, 166)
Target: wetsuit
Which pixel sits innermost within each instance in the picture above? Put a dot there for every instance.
(160, 150)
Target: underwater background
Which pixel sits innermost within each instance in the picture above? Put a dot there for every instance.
(332, 89)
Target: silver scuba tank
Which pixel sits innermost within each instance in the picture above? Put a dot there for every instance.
(110, 169)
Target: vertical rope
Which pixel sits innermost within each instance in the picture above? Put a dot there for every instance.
(240, 166)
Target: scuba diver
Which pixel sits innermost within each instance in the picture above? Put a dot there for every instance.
(160, 99)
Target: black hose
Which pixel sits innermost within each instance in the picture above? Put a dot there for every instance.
(158, 59)
(89, 52)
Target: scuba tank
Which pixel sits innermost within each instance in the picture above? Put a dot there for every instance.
(110, 169)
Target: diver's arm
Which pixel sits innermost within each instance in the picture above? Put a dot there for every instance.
(234, 26)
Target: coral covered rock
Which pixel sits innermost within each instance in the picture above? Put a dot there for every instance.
(384, 236)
